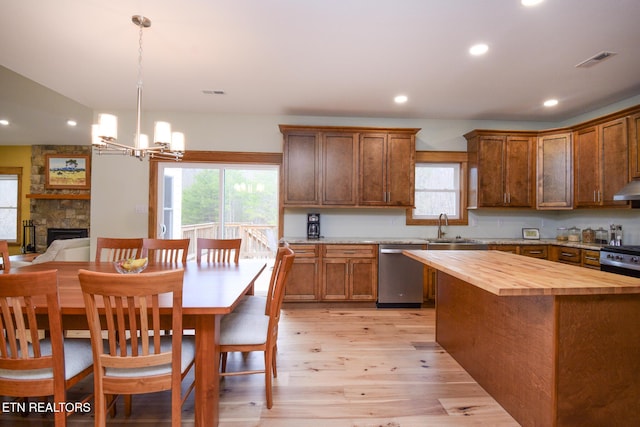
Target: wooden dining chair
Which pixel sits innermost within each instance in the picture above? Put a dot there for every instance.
(246, 332)
(4, 254)
(218, 250)
(146, 362)
(258, 304)
(166, 251)
(29, 366)
(111, 249)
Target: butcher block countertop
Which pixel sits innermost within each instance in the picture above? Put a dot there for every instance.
(506, 274)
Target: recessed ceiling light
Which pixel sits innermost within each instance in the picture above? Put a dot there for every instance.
(4, 122)
(400, 99)
(529, 3)
(72, 122)
(550, 103)
(479, 49)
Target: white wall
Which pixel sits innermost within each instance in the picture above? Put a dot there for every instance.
(120, 184)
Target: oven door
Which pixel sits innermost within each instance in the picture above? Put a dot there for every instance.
(620, 270)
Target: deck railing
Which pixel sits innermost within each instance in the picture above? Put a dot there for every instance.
(258, 241)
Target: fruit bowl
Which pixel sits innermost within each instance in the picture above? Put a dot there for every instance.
(130, 265)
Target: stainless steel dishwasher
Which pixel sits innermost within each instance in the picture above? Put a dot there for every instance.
(399, 277)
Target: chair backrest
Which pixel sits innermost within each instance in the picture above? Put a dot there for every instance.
(281, 268)
(218, 250)
(130, 307)
(4, 254)
(113, 249)
(165, 251)
(20, 347)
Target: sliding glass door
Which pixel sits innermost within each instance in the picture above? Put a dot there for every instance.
(220, 201)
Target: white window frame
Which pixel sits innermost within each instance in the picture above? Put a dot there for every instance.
(443, 157)
(17, 172)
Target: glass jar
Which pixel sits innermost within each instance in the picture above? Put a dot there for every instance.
(574, 234)
(562, 235)
(588, 235)
(602, 236)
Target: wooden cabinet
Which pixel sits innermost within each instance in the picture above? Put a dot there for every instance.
(301, 168)
(566, 255)
(303, 283)
(347, 166)
(634, 145)
(387, 169)
(339, 168)
(502, 169)
(601, 163)
(512, 249)
(349, 272)
(591, 259)
(534, 251)
(554, 171)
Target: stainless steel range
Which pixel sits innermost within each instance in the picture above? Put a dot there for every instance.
(623, 260)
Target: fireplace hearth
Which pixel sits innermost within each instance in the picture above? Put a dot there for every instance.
(65, 233)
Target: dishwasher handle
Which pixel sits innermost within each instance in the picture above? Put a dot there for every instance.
(392, 251)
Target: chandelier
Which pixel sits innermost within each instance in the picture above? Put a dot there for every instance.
(104, 134)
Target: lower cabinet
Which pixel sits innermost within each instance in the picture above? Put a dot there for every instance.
(333, 273)
(349, 273)
(303, 283)
(534, 251)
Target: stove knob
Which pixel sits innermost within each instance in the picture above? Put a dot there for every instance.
(635, 259)
(609, 256)
(619, 258)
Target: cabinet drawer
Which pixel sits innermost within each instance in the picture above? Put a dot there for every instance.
(513, 249)
(350, 251)
(591, 259)
(535, 251)
(305, 251)
(569, 255)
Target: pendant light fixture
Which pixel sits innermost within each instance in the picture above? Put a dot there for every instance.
(104, 135)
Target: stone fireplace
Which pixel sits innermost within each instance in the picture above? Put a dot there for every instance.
(56, 208)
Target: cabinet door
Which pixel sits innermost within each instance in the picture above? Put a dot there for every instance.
(634, 145)
(303, 280)
(519, 171)
(586, 167)
(301, 167)
(373, 169)
(401, 152)
(364, 280)
(555, 172)
(491, 171)
(335, 279)
(339, 154)
(615, 160)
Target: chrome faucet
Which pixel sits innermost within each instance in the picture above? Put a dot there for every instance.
(446, 223)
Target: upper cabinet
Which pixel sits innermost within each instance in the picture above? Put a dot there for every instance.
(347, 166)
(502, 169)
(554, 171)
(301, 168)
(601, 163)
(387, 169)
(634, 145)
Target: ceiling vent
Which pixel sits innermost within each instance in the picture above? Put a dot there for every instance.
(596, 59)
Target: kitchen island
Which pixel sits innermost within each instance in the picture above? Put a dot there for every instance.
(554, 344)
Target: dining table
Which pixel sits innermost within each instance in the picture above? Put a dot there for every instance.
(210, 291)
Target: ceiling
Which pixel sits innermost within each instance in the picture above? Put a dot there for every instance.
(330, 57)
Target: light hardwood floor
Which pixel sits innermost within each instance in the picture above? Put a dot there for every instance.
(338, 367)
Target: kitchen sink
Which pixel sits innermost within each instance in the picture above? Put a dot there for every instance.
(455, 244)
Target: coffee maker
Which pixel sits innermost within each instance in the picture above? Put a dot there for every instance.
(313, 226)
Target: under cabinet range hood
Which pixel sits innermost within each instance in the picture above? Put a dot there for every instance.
(631, 191)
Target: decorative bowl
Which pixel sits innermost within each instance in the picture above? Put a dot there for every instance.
(130, 265)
